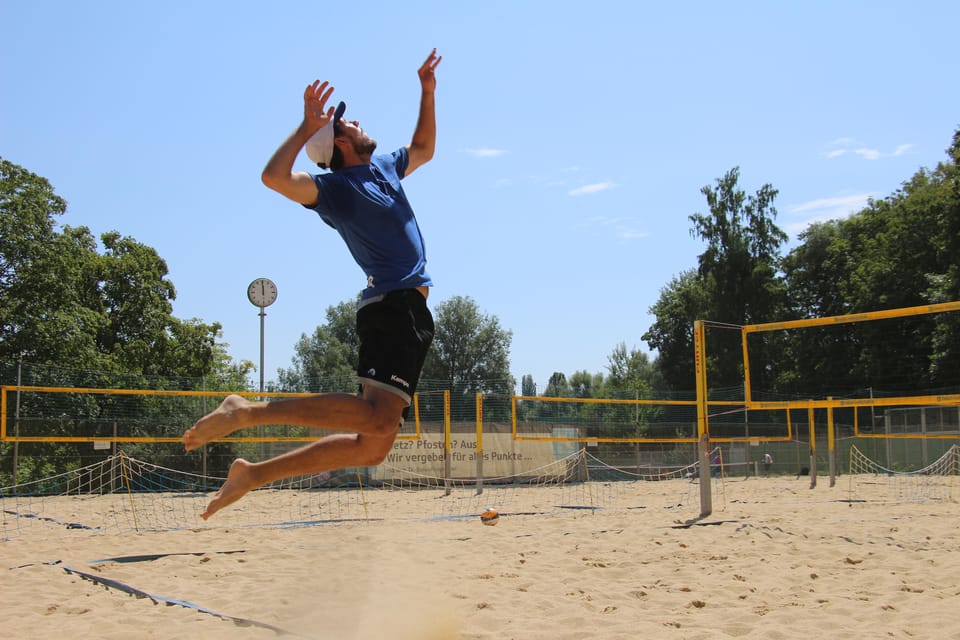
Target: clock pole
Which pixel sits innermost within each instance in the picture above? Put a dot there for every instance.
(263, 314)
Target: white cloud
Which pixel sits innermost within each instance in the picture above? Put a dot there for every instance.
(823, 209)
(869, 154)
(587, 189)
(845, 203)
(631, 234)
(484, 152)
(902, 149)
(844, 146)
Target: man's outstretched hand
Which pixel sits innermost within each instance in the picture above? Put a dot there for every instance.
(315, 109)
(428, 81)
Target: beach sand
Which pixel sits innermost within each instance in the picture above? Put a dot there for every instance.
(776, 559)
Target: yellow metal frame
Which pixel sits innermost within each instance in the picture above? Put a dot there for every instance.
(5, 390)
(702, 403)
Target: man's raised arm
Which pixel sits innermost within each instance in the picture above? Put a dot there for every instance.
(424, 140)
(279, 174)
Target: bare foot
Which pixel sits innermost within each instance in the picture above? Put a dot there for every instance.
(239, 482)
(218, 423)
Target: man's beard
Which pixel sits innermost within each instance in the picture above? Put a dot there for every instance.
(365, 146)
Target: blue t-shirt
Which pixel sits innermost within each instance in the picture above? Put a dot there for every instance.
(370, 211)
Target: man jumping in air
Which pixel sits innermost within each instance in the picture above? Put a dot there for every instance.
(363, 200)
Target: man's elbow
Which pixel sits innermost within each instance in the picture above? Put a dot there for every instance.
(421, 153)
(270, 180)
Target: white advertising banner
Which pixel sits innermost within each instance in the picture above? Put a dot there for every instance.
(502, 456)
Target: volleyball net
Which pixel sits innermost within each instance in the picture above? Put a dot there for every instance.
(870, 480)
(121, 494)
(832, 383)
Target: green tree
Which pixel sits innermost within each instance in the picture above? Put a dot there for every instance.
(899, 251)
(743, 242)
(739, 267)
(327, 359)
(95, 320)
(584, 384)
(470, 352)
(736, 283)
(527, 386)
(557, 386)
(41, 317)
(631, 373)
(63, 302)
(681, 302)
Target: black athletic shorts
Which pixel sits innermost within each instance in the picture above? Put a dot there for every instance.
(395, 333)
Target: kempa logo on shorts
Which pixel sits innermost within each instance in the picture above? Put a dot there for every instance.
(395, 378)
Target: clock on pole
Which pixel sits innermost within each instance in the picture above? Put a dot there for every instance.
(262, 292)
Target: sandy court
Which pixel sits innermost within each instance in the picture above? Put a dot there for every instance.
(775, 560)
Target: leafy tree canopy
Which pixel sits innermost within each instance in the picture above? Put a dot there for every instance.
(63, 303)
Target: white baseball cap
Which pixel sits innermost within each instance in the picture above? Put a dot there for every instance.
(320, 145)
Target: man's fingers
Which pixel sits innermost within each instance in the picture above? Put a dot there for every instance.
(318, 89)
(432, 61)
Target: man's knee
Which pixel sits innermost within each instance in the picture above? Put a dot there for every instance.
(387, 412)
(386, 426)
(374, 449)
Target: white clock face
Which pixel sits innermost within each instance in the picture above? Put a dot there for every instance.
(262, 292)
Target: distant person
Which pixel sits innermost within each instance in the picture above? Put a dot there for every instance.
(363, 201)
(715, 465)
(767, 463)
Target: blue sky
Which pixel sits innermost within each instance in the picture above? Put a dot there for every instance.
(574, 139)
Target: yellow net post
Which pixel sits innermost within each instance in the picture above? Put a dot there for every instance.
(831, 445)
(446, 441)
(813, 447)
(479, 443)
(703, 428)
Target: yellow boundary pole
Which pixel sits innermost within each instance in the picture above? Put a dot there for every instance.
(703, 426)
(813, 447)
(480, 443)
(831, 446)
(446, 441)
